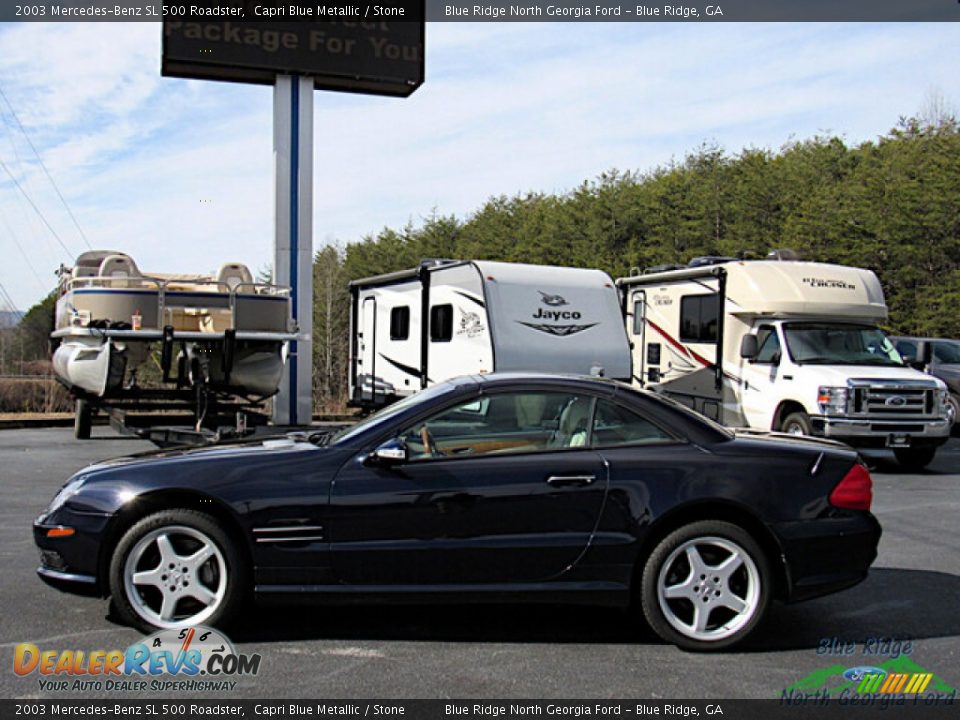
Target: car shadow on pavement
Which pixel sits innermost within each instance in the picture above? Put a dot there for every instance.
(493, 623)
(892, 602)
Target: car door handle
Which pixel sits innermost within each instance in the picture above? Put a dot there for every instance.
(570, 480)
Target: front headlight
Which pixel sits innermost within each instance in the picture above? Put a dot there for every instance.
(66, 492)
(832, 400)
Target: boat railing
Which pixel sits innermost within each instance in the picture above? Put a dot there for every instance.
(236, 304)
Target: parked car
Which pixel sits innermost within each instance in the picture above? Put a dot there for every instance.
(498, 487)
(942, 360)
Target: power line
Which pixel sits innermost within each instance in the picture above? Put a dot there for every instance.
(5, 296)
(36, 209)
(22, 251)
(45, 171)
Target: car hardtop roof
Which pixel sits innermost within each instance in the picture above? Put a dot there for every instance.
(923, 338)
(493, 380)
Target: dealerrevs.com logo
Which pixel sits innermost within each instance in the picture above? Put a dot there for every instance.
(185, 659)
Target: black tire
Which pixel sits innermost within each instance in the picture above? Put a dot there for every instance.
(740, 625)
(915, 458)
(797, 423)
(953, 401)
(82, 419)
(233, 574)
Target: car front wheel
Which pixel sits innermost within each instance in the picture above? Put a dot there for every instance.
(173, 569)
(705, 586)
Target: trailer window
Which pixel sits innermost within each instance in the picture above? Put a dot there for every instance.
(400, 323)
(441, 323)
(638, 316)
(698, 318)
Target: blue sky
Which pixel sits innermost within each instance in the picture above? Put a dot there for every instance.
(179, 173)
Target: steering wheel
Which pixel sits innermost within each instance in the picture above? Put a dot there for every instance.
(429, 444)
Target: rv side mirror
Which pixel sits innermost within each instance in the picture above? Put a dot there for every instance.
(393, 452)
(749, 348)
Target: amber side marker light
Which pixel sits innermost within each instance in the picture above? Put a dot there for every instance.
(60, 532)
(855, 491)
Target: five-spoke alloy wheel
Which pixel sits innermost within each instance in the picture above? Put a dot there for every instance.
(705, 586)
(175, 568)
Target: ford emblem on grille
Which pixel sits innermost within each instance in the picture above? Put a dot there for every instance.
(895, 401)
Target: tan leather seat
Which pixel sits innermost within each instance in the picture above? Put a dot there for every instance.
(574, 424)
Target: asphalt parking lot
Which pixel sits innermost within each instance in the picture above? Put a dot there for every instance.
(913, 593)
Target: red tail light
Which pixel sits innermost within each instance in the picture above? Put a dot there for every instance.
(855, 491)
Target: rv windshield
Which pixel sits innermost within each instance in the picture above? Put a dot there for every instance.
(839, 344)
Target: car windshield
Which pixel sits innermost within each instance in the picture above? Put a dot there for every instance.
(839, 344)
(389, 412)
(947, 353)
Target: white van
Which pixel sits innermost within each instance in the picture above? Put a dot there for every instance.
(447, 318)
(783, 345)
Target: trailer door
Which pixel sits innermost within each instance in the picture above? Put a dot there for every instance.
(366, 357)
(638, 333)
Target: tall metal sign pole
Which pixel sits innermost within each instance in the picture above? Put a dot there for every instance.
(382, 57)
(293, 238)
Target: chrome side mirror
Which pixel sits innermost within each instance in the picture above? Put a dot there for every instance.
(393, 452)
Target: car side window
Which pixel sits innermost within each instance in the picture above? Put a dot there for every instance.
(769, 345)
(615, 425)
(503, 423)
(907, 349)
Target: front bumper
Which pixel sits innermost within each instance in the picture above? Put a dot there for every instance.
(827, 554)
(75, 583)
(864, 432)
(71, 563)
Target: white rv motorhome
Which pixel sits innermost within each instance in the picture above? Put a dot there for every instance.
(783, 345)
(446, 318)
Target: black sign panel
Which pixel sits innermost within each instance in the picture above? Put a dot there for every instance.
(381, 57)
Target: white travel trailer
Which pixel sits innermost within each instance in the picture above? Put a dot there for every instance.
(786, 346)
(446, 318)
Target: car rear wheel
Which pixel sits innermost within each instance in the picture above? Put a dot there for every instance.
(797, 423)
(705, 586)
(915, 458)
(176, 568)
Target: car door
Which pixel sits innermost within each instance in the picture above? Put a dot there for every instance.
(501, 488)
(760, 396)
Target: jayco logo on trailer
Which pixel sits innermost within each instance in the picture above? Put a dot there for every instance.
(552, 300)
(555, 315)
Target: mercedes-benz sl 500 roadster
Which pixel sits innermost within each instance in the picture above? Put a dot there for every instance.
(499, 487)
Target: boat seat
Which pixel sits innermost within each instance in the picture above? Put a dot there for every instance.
(233, 274)
(118, 268)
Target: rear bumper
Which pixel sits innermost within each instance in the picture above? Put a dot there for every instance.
(875, 433)
(827, 554)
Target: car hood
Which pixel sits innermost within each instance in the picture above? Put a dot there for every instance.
(226, 450)
(837, 375)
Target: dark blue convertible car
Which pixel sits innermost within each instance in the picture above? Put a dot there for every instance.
(510, 487)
